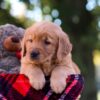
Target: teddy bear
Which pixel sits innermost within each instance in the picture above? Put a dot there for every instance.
(10, 43)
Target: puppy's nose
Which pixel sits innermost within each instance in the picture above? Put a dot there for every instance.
(35, 54)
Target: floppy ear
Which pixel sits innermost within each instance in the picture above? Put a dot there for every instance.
(64, 46)
(23, 52)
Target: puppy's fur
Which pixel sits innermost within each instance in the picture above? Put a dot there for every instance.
(46, 50)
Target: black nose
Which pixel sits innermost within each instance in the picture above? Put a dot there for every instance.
(15, 39)
(35, 54)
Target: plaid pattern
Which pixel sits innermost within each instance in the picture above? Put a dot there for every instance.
(17, 87)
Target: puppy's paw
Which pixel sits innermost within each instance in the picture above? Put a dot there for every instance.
(58, 84)
(37, 82)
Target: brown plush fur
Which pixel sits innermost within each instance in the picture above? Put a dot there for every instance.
(12, 44)
(54, 48)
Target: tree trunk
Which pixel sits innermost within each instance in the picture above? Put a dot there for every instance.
(84, 58)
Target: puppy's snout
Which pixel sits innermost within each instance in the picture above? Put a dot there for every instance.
(35, 54)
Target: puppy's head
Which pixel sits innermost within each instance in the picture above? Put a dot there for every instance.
(45, 41)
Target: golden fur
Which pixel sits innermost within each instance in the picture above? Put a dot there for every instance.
(54, 48)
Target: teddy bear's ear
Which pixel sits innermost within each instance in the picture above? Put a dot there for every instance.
(64, 46)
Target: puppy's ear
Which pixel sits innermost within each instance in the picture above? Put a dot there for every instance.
(23, 52)
(64, 46)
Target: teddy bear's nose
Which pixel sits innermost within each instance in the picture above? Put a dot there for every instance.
(15, 39)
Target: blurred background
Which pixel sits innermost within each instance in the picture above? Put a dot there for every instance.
(79, 18)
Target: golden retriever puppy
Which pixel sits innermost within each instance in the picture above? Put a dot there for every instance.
(46, 50)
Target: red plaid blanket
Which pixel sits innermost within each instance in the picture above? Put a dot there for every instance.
(17, 87)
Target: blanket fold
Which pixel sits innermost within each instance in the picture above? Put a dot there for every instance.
(17, 87)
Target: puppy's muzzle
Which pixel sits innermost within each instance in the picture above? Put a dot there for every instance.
(35, 54)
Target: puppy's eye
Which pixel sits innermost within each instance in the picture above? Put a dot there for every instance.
(30, 40)
(47, 42)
